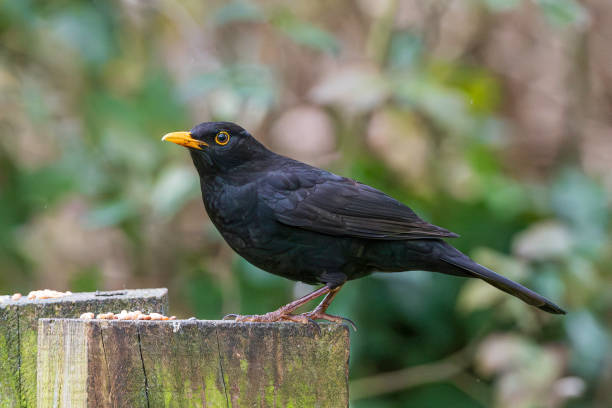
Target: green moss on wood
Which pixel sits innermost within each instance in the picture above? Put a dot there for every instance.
(204, 363)
(9, 357)
(19, 338)
(306, 369)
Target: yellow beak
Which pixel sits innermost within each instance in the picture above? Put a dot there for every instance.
(184, 139)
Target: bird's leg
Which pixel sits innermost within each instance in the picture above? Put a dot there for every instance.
(319, 312)
(322, 307)
(284, 312)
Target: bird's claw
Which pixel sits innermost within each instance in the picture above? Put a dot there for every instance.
(315, 324)
(350, 322)
(314, 315)
(271, 317)
(304, 318)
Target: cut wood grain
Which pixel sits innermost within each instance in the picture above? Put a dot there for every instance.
(19, 328)
(191, 363)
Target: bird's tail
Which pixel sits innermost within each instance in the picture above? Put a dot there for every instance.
(468, 267)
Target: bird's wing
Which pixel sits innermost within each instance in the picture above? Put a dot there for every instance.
(334, 205)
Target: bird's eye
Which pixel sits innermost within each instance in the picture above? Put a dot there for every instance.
(222, 138)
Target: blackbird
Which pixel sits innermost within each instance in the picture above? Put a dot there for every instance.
(307, 224)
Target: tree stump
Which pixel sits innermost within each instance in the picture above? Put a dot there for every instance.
(19, 332)
(191, 363)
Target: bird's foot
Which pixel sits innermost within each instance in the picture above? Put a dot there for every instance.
(275, 316)
(317, 315)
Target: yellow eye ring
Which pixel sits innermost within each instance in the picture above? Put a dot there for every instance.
(222, 138)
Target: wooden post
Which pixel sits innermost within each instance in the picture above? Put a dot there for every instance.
(191, 363)
(19, 332)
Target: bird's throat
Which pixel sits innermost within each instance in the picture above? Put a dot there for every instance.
(203, 164)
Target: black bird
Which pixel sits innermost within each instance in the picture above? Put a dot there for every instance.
(310, 225)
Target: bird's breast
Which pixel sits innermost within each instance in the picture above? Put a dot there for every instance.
(237, 215)
(230, 205)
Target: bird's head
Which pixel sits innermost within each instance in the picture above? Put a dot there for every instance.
(217, 146)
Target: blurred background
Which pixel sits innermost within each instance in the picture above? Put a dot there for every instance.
(492, 118)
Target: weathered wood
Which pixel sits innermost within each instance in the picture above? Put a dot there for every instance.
(191, 363)
(19, 328)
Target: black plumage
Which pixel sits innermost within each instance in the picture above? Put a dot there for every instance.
(307, 224)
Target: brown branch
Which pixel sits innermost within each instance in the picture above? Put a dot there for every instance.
(410, 377)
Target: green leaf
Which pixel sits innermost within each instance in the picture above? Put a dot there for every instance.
(109, 214)
(563, 12)
(238, 11)
(405, 49)
(590, 342)
(583, 204)
(85, 30)
(175, 186)
(445, 105)
(501, 5)
(245, 81)
(305, 33)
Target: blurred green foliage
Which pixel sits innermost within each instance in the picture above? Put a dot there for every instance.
(90, 198)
